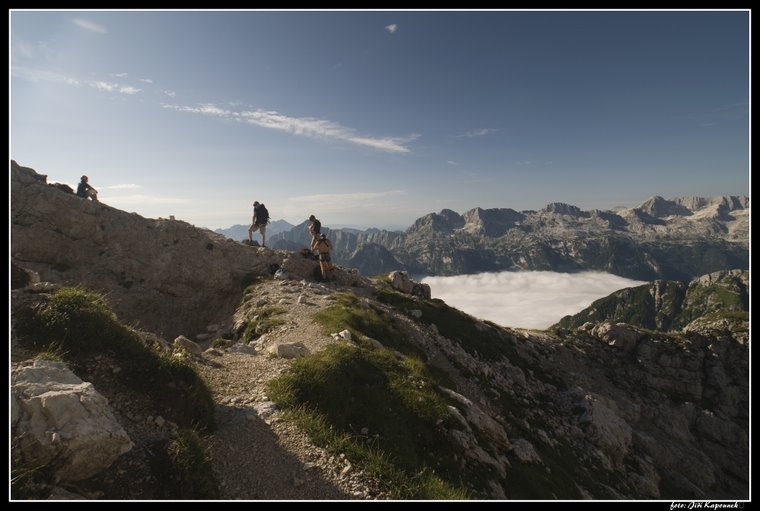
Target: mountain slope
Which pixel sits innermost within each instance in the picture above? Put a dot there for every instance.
(669, 305)
(411, 398)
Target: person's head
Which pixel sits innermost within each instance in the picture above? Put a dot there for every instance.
(84, 179)
(255, 203)
(312, 218)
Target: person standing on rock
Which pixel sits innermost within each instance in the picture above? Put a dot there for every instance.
(315, 228)
(259, 223)
(323, 246)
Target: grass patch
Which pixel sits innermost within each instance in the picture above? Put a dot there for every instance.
(28, 482)
(184, 467)
(456, 324)
(364, 321)
(77, 326)
(390, 424)
(221, 343)
(264, 321)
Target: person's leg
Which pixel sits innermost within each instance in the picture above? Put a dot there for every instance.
(250, 233)
(263, 235)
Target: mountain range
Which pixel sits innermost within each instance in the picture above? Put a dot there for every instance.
(645, 395)
(675, 239)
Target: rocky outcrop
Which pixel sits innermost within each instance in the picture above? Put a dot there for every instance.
(401, 282)
(166, 276)
(59, 421)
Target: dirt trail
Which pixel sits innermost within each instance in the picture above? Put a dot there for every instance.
(257, 455)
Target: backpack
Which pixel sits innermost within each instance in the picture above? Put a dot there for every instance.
(263, 214)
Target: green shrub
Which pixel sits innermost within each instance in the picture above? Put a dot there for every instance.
(221, 343)
(184, 468)
(384, 413)
(266, 320)
(79, 326)
(366, 321)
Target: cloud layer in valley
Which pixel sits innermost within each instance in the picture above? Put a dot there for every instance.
(535, 299)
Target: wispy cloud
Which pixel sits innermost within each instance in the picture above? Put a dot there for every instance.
(145, 80)
(24, 49)
(478, 133)
(170, 93)
(36, 75)
(115, 87)
(525, 299)
(452, 162)
(524, 162)
(391, 28)
(302, 126)
(90, 26)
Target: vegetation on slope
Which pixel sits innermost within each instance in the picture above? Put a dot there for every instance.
(77, 326)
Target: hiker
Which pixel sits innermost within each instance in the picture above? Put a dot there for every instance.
(86, 191)
(315, 228)
(323, 246)
(259, 223)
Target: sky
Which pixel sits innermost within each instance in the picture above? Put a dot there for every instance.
(374, 119)
(527, 299)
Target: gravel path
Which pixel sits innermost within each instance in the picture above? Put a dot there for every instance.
(257, 455)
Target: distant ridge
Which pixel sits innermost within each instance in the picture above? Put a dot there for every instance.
(673, 239)
(239, 232)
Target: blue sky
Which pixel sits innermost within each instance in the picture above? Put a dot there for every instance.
(377, 118)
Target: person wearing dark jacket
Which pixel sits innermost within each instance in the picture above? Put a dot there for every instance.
(259, 222)
(86, 191)
(315, 228)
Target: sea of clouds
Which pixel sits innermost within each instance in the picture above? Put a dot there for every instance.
(531, 299)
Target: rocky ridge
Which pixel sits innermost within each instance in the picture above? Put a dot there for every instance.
(607, 410)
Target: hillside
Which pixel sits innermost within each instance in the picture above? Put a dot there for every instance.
(351, 389)
(669, 305)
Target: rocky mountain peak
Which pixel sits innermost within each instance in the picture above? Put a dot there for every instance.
(658, 207)
(561, 208)
(444, 222)
(492, 222)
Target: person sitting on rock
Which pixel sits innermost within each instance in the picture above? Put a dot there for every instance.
(86, 191)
